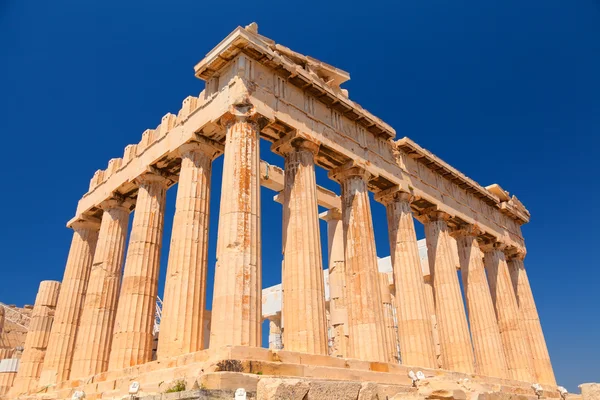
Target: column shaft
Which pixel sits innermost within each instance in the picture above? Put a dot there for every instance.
(455, 340)
(237, 300)
(184, 303)
(365, 311)
(487, 344)
(414, 319)
(516, 347)
(94, 336)
(133, 333)
(61, 344)
(275, 333)
(531, 322)
(36, 341)
(391, 336)
(337, 283)
(303, 287)
(430, 300)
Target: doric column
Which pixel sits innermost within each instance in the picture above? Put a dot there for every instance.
(237, 298)
(391, 336)
(487, 344)
(337, 282)
(430, 300)
(36, 341)
(61, 344)
(414, 319)
(530, 320)
(133, 333)
(275, 342)
(455, 340)
(516, 346)
(94, 336)
(302, 278)
(365, 311)
(184, 301)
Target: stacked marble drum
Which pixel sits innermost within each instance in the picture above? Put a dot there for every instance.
(103, 317)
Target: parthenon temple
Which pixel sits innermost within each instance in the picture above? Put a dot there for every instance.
(365, 321)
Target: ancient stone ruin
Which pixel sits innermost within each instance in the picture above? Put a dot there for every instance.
(376, 337)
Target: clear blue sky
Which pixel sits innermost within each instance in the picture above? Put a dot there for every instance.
(508, 93)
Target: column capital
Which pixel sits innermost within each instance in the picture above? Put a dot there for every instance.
(395, 193)
(117, 202)
(465, 230)
(494, 246)
(85, 222)
(434, 214)
(513, 253)
(349, 170)
(296, 141)
(201, 144)
(152, 175)
(243, 111)
(331, 215)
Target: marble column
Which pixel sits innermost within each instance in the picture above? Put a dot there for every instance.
(391, 336)
(94, 336)
(455, 340)
(134, 322)
(61, 344)
(275, 342)
(516, 346)
(184, 301)
(302, 278)
(36, 341)
(430, 300)
(414, 319)
(531, 321)
(365, 311)
(237, 298)
(487, 344)
(337, 282)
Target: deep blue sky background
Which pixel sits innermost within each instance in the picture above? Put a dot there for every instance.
(507, 92)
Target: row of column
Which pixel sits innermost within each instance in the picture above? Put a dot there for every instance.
(103, 324)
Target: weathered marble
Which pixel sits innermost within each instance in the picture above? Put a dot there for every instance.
(184, 300)
(302, 278)
(133, 332)
(530, 320)
(38, 335)
(94, 336)
(236, 313)
(337, 283)
(455, 340)
(67, 317)
(414, 319)
(487, 344)
(365, 310)
(516, 346)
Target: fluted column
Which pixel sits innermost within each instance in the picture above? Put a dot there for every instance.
(237, 298)
(455, 340)
(391, 335)
(67, 317)
(337, 282)
(430, 300)
(414, 320)
(365, 310)
(487, 344)
(184, 301)
(516, 346)
(134, 322)
(302, 279)
(531, 321)
(94, 336)
(36, 341)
